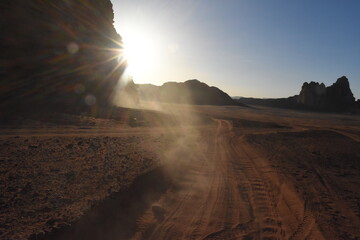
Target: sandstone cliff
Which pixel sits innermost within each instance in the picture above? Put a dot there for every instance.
(335, 97)
(58, 53)
(315, 96)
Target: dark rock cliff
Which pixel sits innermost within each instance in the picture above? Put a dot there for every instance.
(339, 94)
(336, 97)
(315, 96)
(189, 92)
(58, 53)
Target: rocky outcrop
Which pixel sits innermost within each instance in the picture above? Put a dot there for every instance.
(336, 97)
(58, 52)
(314, 96)
(189, 92)
(339, 94)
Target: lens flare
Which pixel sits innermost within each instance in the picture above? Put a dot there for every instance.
(141, 53)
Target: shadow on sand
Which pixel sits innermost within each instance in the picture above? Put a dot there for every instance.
(115, 218)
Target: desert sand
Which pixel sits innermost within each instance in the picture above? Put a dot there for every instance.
(210, 173)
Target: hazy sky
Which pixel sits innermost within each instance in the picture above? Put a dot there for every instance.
(256, 48)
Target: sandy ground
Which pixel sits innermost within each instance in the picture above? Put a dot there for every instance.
(48, 181)
(249, 173)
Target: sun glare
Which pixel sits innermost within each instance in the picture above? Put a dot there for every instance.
(141, 53)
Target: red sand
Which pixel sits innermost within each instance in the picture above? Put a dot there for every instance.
(247, 174)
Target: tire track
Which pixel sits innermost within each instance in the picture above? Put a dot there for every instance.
(226, 196)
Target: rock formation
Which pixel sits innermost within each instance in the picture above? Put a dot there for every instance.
(58, 52)
(315, 96)
(339, 94)
(189, 92)
(336, 97)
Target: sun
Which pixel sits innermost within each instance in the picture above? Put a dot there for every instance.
(140, 52)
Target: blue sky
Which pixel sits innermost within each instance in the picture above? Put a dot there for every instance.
(248, 47)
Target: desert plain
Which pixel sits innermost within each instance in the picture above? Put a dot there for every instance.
(181, 172)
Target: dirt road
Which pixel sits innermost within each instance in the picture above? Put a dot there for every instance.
(227, 193)
(250, 174)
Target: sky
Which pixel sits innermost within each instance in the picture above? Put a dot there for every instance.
(249, 48)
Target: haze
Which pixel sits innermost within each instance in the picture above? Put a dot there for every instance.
(89, 152)
(247, 48)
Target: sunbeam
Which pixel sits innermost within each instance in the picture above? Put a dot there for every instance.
(141, 52)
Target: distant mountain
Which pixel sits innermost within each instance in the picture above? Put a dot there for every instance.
(189, 92)
(289, 102)
(315, 96)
